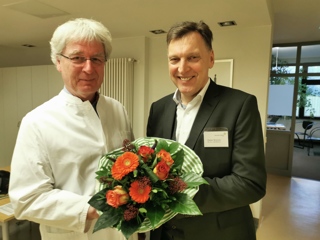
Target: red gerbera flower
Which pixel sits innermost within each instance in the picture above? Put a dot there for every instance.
(139, 190)
(124, 164)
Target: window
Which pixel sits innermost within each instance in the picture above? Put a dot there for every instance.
(299, 64)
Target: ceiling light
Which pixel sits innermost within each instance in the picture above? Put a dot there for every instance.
(158, 31)
(227, 23)
(28, 45)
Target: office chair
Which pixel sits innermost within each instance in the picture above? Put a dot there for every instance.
(307, 125)
(312, 137)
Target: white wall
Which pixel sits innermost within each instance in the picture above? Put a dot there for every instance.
(251, 50)
(21, 90)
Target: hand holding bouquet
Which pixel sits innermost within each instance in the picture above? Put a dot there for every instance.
(146, 183)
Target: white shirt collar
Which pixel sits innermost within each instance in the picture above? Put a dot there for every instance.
(177, 95)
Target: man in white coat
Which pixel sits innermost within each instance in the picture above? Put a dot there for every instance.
(59, 143)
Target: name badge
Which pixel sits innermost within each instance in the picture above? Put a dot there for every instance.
(216, 137)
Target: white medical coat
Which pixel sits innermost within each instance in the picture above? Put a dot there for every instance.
(56, 155)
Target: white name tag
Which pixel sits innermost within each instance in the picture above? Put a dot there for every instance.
(216, 137)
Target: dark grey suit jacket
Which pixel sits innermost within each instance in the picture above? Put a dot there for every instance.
(236, 173)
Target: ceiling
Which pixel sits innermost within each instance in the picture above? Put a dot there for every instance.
(294, 20)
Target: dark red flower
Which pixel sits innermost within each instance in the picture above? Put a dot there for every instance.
(177, 185)
(130, 213)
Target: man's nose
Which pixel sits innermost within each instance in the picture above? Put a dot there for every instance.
(183, 66)
(87, 65)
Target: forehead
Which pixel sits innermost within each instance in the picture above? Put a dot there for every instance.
(89, 47)
(191, 42)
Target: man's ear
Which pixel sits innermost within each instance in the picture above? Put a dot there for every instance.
(211, 58)
(58, 65)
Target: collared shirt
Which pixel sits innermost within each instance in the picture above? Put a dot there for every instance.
(95, 100)
(186, 114)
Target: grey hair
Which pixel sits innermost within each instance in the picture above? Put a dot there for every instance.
(79, 29)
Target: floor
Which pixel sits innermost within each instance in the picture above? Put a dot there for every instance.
(304, 165)
(23, 230)
(290, 209)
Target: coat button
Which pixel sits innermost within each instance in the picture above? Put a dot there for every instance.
(173, 226)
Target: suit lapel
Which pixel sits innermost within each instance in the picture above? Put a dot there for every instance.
(170, 116)
(206, 109)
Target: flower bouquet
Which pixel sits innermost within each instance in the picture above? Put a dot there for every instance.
(145, 184)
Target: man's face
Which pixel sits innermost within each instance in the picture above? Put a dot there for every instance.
(189, 64)
(82, 80)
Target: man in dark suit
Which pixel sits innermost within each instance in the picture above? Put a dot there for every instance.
(223, 126)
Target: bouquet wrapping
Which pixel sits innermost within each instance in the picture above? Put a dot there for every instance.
(145, 184)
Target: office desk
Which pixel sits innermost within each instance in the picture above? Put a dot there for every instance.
(5, 219)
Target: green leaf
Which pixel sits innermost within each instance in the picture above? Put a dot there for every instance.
(108, 219)
(103, 172)
(142, 210)
(153, 177)
(129, 227)
(174, 147)
(162, 194)
(178, 158)
(184, 205)
(154, 162)
(162, 144)
(154, 214)
(193, 179)
(98, 201)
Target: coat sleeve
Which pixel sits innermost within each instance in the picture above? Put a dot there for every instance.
(32, 191)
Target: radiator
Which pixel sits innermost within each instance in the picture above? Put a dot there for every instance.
(118, 82)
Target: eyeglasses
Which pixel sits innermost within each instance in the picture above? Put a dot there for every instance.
(79, 60)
